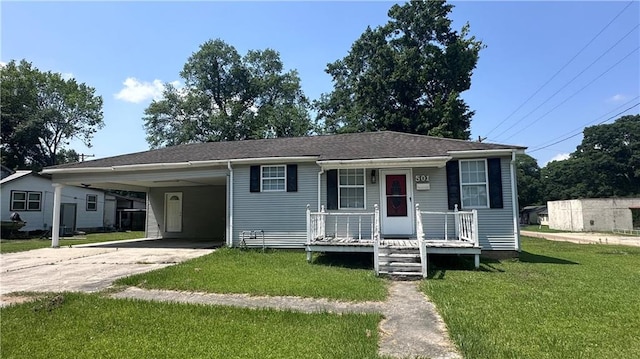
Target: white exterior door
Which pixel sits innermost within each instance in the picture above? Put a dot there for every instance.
(173, 211)
(396, 198)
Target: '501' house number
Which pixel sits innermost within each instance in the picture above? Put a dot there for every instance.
(422, 179)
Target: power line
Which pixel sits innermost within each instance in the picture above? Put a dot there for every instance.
(570, 81)
(599, 123)
(562, 68)
(575, 93)
(581, 128)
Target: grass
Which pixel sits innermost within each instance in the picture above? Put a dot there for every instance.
(90, 326)
(271, 273)
(19, 245)
(559, 300)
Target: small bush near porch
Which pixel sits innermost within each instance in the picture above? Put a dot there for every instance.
(90, 326)
(275, 272)
(559, 300)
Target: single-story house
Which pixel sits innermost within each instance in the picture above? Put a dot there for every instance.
(595, 214)
(31, 196)
(531, 214)
(321, 192)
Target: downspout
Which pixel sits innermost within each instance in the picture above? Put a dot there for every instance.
(230, 205)
(319, 186)
(514, 198)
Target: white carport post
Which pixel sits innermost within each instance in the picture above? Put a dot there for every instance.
(55, 226)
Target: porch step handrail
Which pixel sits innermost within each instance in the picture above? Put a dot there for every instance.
(420, 235)
(464, 222)
(376, 239)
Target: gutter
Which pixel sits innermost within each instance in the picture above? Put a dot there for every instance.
(514, 199)
(385, 162)
(477, 153)
(177, 165)
(230, 205)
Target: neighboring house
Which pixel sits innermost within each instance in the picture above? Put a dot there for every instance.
(595, 214)
(130, 212)
(31, 196)
(543, 217)
(531, 214)
(247, 192)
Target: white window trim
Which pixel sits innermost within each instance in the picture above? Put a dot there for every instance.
(26, 201)
(486, 183)
(364, 192)
(94, 202)
(262, 179)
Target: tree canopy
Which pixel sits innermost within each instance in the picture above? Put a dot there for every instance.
(406, 76)
(528, 177)
(605, 164)
(41, 112)
(229, 97)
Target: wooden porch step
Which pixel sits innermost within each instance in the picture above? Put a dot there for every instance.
(403, 274)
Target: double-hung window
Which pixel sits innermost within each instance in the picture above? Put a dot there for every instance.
(92, 202)
(474, 183)
(273, 178)
(26, 201)
(351, 188)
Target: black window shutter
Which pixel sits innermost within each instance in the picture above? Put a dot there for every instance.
(332, 189)
(495, 183)
(254, 181)
(292, 178)
(453, 185)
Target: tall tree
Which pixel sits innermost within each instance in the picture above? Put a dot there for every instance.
(404, 76)
(528, 177)
(229, 97)
(605, 164)
(41, 113)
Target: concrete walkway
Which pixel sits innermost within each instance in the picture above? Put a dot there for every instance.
(411, 327)
(586, 238)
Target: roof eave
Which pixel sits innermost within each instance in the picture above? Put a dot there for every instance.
(485, 153)
(178, 165)
(439, 161)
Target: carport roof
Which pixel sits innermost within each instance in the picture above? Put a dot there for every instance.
(366, 145)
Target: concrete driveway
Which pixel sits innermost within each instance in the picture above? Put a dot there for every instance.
(86, 269)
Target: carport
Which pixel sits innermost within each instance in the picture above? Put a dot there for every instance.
(185, 200)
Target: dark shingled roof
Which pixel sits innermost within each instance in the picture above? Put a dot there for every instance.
(366, 145)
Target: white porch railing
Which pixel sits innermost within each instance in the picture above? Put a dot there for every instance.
(347, 226)
(420, 235)
(465, 225)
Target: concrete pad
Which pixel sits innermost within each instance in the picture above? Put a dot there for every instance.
(82, 269)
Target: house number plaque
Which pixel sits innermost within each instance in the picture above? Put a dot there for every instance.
(422, 182)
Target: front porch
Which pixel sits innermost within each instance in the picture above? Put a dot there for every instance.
(360, 232)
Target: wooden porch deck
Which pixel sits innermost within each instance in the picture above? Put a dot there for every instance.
(366, 245)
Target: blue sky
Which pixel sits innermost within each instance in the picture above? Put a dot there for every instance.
(127, 50)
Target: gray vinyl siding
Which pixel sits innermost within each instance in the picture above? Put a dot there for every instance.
(203, 212)
(495, 225)
(280, 215)
(434, 200)
(356, 225)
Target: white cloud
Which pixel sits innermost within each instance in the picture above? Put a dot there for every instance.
(617, 98)
(559, 157)
(138, 91)
(3, 64)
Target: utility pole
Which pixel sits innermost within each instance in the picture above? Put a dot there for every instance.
(480, 139)
(82, 156)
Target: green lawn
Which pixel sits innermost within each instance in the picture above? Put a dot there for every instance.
(19, 245)
(90, 326)
(271, 273)
(559, 300)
